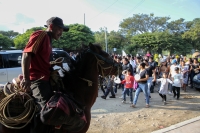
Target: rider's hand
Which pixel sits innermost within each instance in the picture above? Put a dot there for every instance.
(25, 84)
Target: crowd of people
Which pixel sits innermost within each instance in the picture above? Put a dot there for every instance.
(143, 73)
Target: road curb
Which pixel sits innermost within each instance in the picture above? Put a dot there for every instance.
(176, 126)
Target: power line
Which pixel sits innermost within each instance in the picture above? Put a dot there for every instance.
(105, 9)
(135, 7)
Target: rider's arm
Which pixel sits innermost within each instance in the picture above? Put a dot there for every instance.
(26, 60)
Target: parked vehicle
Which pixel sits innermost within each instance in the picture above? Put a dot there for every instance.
(196, 81)
(10, 63)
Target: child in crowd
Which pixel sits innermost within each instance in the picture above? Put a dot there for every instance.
(164, 86)
(109, 87)
(177, 82)
(128, 81)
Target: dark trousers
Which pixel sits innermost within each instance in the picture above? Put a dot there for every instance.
(42, 92)
(108, 90)
(164, 97)
(102, 89)
(176, 91)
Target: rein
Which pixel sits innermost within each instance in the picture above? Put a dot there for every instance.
(100, 61)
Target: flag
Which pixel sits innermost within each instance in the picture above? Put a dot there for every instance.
(123, 53)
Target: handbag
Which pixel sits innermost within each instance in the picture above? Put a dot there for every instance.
(63, 110)
(135, 85)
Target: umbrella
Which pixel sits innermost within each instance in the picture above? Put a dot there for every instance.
(195, 54)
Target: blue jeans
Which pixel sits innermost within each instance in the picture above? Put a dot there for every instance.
(130, 91)
(144, 88)
(149, 83)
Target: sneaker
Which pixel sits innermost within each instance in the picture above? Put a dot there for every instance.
(123, 101)
(164, 103)
(169, 93)
(121, 97)
(103, 97)
(111, 96)
(131, 102)
(174, 96)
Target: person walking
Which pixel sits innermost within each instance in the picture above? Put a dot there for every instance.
(177, 82)
(109, 87)
(164, 86)
(142, 85)
(184, 72)
(129, 79)
(35, 64)
(125, 66)
(152, 75)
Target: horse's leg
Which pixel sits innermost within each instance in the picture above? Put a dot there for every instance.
(88, 118)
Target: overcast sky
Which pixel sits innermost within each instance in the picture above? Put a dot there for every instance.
(20, 15)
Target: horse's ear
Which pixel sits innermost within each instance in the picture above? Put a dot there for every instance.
(83, 46)
(90, 44)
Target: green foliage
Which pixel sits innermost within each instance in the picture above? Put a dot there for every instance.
(5, 42)
(10, 34)
(141, 23)
(21, 40)
(159, 41)
(77, 35)
(192, 36)
(114, 40)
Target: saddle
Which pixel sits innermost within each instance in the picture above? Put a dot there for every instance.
(62, 110)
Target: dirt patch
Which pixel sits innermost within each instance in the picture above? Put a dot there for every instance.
(112, 116)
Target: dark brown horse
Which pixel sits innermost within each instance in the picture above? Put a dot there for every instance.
(92, 62)
(82, 81)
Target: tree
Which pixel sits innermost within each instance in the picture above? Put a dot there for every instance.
(77, 35)
(5, 42)
(21, 40)
(178, 27)
(192, 36)
(99, 37)
(10, 34)
(159, 41)
(141, 23)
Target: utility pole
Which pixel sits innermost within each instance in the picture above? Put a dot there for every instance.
(105, 28)
(84, 18)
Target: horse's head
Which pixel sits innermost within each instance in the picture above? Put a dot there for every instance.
(106, 65)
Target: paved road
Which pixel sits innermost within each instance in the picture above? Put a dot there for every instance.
(189, 126)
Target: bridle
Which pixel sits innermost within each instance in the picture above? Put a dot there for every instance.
(100, 61)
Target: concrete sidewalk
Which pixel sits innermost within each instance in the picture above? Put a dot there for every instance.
(189, 126)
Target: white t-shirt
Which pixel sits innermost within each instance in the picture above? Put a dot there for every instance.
(177, 80)
(164, 85)
(172, 67)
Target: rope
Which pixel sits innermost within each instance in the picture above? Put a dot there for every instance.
(99, 63)
(25, 117)
(89, 82)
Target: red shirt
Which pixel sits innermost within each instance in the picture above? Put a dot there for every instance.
(41, 49)
(128, 81)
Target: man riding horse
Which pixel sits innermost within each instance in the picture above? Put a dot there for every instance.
(36, 68)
